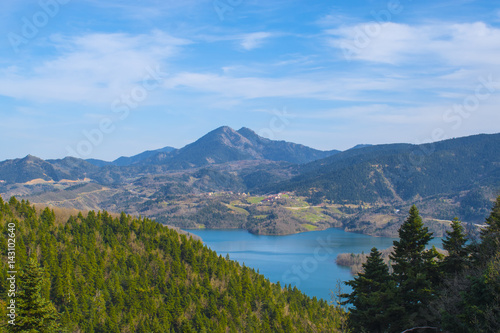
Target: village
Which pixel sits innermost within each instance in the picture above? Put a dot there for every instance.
(256, 199)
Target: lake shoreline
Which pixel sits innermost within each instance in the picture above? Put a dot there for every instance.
(288, 234)
(305, 260)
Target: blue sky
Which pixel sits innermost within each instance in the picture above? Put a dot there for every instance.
(102, 79)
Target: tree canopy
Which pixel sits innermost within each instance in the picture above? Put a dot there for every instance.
(108, 273)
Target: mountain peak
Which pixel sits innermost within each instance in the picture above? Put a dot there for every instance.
(360, 146)
(223, 129)
(252, 136)
(226, 136)
(31, 158)
(245, 131)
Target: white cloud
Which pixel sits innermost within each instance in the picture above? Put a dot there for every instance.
(243, 41)
(353, 87)
(90, 68)
(465, 44)
(254, 40)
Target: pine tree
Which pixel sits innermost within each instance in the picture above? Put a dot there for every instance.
(455, 243)
(490, 236)
(36, 314)
(372, 296)
(493, 221)
(415, 270)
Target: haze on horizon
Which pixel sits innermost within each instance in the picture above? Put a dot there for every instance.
(103, 80)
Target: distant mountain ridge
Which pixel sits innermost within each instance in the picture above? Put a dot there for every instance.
(126, 161)
(456, 177)
(224, 144)
(401, 172)
(220, 146)
(22, 170)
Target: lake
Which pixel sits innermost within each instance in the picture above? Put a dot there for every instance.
(306, 260)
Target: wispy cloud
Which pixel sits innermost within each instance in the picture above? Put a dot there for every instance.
(90, 68)
(258, 87)
(254, 40)
(466, 44)
(369, 86)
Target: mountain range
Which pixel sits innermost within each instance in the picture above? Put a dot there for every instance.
(443, 177)
(223, 145)
(220, 146)
(400, 172)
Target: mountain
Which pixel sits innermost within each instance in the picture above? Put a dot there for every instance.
(221, 146)
(224, 145)
(74, 168)
(457, 177)
(123, 161)
(97, 162)
(360, 146)
(30, 168)
(402, 172)
(22, 170)
(126, 161)
(284, 151)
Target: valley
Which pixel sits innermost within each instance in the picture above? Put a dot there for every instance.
(236, 179)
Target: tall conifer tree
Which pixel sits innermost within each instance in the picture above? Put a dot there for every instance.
(36, 314)
(490, 236)
(415, 270)
(372, 296)
(455, 243)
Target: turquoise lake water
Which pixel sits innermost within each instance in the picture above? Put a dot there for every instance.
(306, 260)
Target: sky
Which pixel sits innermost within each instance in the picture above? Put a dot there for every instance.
(103, 79)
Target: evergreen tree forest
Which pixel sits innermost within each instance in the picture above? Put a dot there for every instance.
(422, 291)
(104, 273)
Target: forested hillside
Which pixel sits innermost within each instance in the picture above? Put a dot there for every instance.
(110, 274)
(458, 174)
(399, 172)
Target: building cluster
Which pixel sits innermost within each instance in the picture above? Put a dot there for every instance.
(275, 197)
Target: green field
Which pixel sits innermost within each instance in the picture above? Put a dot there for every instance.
(310, 227)
(255, 200)
(239, 210)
